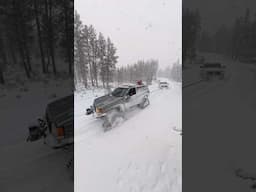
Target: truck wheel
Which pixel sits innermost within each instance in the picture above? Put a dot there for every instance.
(117, 120)
(144, 103)
(106, 124)
(113, 119)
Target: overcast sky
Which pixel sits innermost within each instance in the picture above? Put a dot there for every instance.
(140, 29)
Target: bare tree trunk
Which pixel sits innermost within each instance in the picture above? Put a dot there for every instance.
(68, 40)
(20, 42)
(91, 74)
(3, 55)
(103, 82)
(13, 53)
(107, 76)
(2, 81)
(51, 43)
(48, 60)
(39, 37)
(90, 69)
(95, 73)
(3, 60)
(22, 55)
(27, 56)
(49, 39)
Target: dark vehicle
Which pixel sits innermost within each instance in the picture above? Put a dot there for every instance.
(57, 125)
(112, 107)
(211, 70)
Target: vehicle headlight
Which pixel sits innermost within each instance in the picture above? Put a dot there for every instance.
(99, 110)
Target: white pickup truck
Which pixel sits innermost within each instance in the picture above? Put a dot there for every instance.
(113, 106)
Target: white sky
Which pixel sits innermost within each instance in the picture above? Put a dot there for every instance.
(140, 29)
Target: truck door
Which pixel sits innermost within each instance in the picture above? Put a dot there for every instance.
(132, 97)
(140, 95)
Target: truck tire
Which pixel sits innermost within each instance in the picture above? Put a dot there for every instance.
(106, 124)
(113, 119)
(145, 102)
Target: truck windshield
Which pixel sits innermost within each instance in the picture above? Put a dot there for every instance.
(119, 92)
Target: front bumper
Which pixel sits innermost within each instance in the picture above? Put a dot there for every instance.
(100, 115)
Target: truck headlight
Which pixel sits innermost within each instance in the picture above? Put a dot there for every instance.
(99, 110)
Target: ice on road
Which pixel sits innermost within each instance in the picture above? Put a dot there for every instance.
(142, 154)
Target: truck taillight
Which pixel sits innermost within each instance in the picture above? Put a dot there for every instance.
(60, 132)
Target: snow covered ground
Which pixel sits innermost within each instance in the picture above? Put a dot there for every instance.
(30, 166)
(20, 107)
(223, 112)
(143, 154)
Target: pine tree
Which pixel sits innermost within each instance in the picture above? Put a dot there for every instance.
(92, 54)
(20, 22)
(80, 50)
(66, 18)
(111, 60)
(191, 27)
(37, 12)
(102, 57)
(3, 59)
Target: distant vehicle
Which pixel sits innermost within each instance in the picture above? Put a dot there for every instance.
(163, 84)
(112, 107)
(210, 70)
(57, 125)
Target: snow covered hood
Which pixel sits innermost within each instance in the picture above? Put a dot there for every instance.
(106, 101)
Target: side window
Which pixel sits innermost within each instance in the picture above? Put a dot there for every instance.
(141, 89)
(132, 92)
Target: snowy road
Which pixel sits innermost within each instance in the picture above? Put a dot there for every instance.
(142, 154)
(29, 167)
(223, 112)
